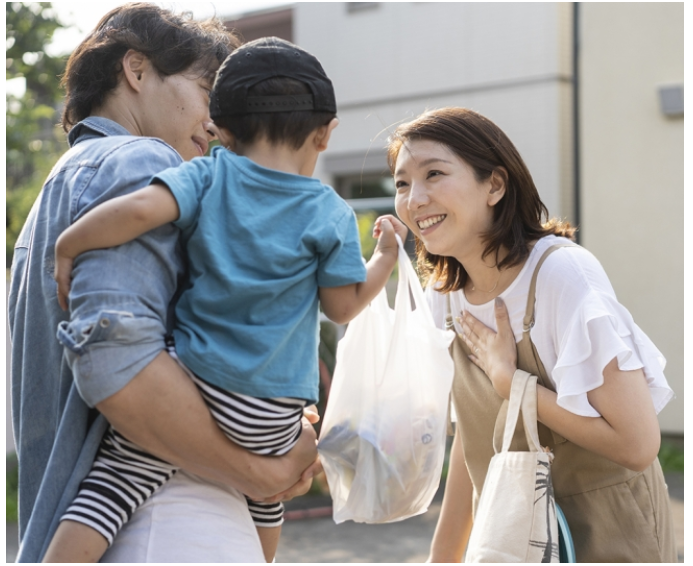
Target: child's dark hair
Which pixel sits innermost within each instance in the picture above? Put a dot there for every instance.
(173, 44)
(291, 128)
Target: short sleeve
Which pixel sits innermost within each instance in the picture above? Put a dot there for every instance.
(591, 328)
(339, 256)
(188, 183)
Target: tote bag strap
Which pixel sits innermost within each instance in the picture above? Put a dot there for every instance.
(523, 397)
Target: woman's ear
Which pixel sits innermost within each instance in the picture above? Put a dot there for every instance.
(499, 181)
(135, 64)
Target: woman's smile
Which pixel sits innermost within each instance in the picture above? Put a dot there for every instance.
(430, 223)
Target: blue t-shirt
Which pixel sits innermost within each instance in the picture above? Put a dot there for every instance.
(259, 243)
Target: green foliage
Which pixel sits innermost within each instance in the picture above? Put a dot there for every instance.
(29, 28)
(671, 456)
(365, 222)
(33, 142)
(20, 200)
(11, 482)
(328, 345)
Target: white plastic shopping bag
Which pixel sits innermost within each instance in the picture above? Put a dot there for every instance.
(382, 441)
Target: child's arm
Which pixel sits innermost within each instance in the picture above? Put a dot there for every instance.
(341, 304)
(110, 224)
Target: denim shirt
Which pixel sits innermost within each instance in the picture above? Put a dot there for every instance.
(116, 324)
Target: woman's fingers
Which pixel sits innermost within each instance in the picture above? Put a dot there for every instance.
(494, 352)
(474, 331)
(471, 330)
(502, 317)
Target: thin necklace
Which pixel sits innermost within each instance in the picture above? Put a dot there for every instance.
(492, 288)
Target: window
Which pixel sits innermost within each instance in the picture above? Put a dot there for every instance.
(352, 7)
(370, 195)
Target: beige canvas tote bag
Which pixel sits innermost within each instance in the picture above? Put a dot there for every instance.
(516, 517)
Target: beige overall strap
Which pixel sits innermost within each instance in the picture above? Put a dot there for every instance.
(449, 325)
(528, 321)
(448, 316)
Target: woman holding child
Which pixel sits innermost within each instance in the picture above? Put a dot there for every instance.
(522, 296)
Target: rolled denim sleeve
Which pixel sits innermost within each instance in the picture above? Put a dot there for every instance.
(106, 350)
(119, 296)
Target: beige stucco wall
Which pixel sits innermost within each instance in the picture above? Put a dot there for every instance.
(632, 168)
(394, 60)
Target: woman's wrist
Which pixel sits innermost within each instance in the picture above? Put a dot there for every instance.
(503, 379)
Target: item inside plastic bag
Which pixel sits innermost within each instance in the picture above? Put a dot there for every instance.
(398, 471)
(382, 442)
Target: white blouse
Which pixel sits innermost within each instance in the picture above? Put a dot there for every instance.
(579, 325)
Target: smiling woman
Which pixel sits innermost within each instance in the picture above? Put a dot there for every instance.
(482, 178)
(524, 298)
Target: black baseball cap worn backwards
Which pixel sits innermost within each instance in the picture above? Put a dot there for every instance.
(263, 59)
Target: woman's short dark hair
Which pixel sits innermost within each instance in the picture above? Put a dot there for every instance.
(291, 128)
(517, 217)
(173, 43)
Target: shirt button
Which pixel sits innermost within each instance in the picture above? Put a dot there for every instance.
(104, 323)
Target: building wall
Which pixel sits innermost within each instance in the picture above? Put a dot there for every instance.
(391, 61)
(513, 63)
(272, 22)
(632, 168)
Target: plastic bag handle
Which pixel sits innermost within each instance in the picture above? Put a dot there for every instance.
(380, 300)
(408, 280)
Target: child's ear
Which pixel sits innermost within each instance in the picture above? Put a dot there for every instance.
(323, 133)
(225, 137)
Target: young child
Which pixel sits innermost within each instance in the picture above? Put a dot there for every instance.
(265, 243)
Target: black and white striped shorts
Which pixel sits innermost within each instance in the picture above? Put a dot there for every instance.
(124, 476)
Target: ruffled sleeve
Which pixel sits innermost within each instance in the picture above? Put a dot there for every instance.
(591, 328)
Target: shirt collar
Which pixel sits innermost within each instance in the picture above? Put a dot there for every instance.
(95, 126)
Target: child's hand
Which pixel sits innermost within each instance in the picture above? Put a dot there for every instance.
(63, 276)
(384, 229)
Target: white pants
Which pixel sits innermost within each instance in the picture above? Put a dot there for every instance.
(189, 520)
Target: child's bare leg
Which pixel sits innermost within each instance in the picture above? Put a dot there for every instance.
(269, 538)
(76, 542)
